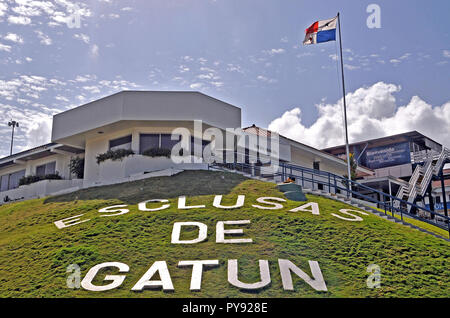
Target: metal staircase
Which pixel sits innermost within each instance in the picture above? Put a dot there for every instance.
(422, 176)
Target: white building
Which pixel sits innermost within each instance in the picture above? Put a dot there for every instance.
(136, 121)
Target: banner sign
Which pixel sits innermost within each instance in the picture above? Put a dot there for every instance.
(387, 156)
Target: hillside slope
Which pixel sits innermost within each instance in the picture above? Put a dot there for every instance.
(34, 253)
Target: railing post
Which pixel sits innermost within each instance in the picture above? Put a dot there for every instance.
(312, 182)
(329, 183)
(303, 180)
(335, 185)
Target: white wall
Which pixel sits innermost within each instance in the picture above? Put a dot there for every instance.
(107, 170)
(141, 106)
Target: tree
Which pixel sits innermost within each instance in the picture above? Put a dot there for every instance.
(77, 167)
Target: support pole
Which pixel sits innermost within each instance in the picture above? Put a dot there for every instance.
(12, 140)
(345, 109)
(444, 194)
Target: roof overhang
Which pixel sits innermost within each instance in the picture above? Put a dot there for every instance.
(119, 110)
(38, 153)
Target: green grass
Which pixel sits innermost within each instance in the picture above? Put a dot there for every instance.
(421, 224)
(34, 254)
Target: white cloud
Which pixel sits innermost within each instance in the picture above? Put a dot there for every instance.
(4, 47)
(274, 51)
(94, 51)
(262, 78)
(83, 37)
(126, 9)
(19, 20)
(372, 112)
(196, 85)
(13, 38)
(45, 39)
(3, 8)
(446, 53)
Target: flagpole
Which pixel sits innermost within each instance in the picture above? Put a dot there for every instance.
(345, 109)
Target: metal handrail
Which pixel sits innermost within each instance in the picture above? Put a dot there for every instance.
(335, 181)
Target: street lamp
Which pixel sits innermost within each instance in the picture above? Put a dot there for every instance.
(14, 124)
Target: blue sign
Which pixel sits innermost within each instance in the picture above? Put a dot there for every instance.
(439, 206)
(387, 156)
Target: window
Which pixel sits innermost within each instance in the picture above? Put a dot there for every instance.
(120, 143)
(167, 142)
(316, 165)
(204, 143)
(11, 181)
(437, 199)
(4, 182)
(48, 168)
(148, 141)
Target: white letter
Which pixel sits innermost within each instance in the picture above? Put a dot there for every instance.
(117, 280)
(197, 271)
(287, 266)
(355, 217)
(263, 200)
(165, 282)
(70, 221)
(239, 203)
(314, 208)
(374, 20)
(263, 272)
(182, 204)
(143, 205)
(122, 211)
(202, 232)
(185, 144)
(220, 232)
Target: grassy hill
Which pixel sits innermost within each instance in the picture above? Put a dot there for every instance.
(34, 254)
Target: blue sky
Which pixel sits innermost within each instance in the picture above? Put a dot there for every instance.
(245, 52)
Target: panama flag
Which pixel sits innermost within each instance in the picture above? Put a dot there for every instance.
(321, 31)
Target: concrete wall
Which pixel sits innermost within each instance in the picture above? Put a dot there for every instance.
(107, 170)
(306, 159)
(62, 166)
(41, 189)
(139, 106)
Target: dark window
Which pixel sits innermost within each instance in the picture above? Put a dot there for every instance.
(14, 179)
(4, 182)
(40, 171)
(167, 142)
(437, 199)
(204, 143)
(148, 141)
(316, 165)
(122, 142)
(320, 186)
(48, 168)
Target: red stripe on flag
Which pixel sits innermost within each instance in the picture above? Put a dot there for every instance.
(313, 28)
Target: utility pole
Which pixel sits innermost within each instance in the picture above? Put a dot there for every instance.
(14, 124)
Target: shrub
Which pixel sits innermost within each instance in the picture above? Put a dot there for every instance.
(114, 155)
(29, 179)
(32, 179)
(76, 167)
(157, 152)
